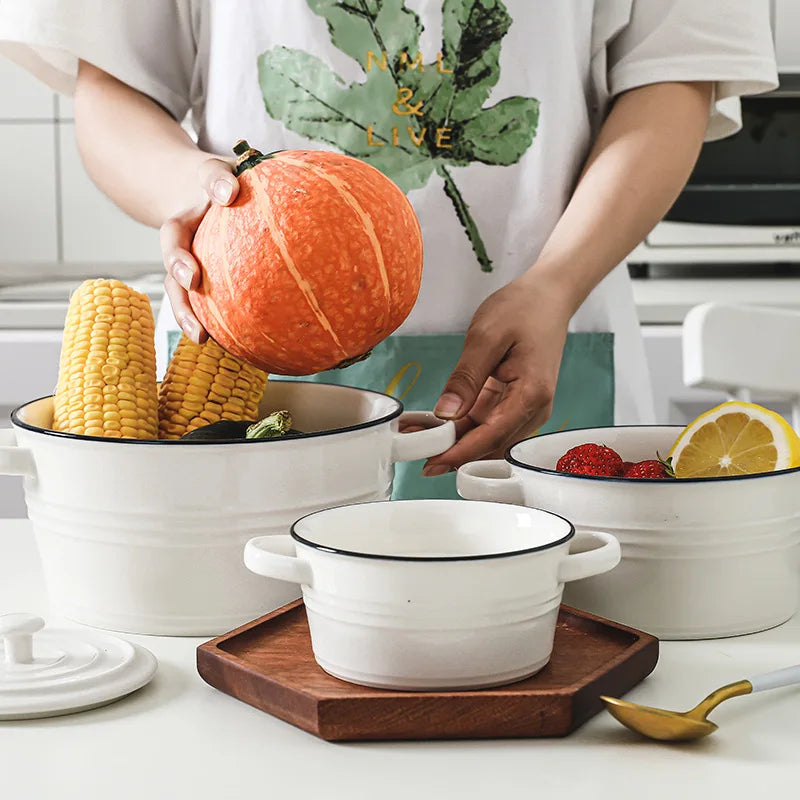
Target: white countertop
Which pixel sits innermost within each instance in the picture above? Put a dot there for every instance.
(179, 738)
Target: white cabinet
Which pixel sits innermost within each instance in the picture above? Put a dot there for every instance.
(787, 35)
(675, 403)
(29, 360)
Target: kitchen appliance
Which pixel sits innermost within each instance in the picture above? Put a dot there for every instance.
(432, 594)
(720, 242)
(269, 664)
(742, 202)
(147, 536)
(701, 558)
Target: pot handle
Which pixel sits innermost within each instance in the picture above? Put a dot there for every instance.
(492, 480)
(273, 557)
(439, 435)
(586, 558)
(15, 460)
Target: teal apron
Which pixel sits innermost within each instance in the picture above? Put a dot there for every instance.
(414, 370)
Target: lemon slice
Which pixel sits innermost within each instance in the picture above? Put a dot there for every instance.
(735, 439)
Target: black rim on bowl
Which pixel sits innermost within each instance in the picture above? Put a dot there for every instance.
(382, 557)
(389, 417)
(609, 479)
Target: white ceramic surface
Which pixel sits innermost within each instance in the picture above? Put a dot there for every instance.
(432, 594)
(147, 537)
(47, 673)
(181, 739)
(700, 558)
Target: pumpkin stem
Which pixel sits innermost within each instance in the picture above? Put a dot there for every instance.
(348, 362)
(248, 156)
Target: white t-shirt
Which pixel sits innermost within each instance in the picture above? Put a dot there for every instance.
(504, 101)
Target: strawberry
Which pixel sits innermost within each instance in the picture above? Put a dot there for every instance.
(652, 468)
(591, 459)
(626, 465)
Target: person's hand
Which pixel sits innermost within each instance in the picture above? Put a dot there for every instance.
(183, 273)
(502, 388)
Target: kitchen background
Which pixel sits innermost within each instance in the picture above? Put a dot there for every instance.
(56, 228)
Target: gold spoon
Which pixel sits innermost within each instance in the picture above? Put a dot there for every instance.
(681, 726)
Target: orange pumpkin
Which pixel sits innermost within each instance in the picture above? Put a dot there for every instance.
(318, 260)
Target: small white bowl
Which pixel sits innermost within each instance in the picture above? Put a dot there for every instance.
(432, 594)
(701, 558)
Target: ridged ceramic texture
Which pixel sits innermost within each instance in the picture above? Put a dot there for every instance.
(148, 536)
(700, 559)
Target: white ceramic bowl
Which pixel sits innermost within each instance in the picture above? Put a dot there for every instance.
(432, 594)
(700, 558)
(147, 537)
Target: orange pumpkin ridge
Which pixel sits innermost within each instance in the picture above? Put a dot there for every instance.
(361, 215)
(317, 261)
(261, 193)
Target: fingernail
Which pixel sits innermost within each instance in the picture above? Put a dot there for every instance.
(222, 191)
(191, 328)
(435, 471)
(448, 405)
(183, 274)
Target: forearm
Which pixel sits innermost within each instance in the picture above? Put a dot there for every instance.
(133, 150)
(641, 160)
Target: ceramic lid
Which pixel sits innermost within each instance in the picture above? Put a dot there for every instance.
(44, 673)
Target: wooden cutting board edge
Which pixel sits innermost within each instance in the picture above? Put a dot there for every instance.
(321, 716)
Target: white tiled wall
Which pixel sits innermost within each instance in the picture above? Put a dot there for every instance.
(93, 228)
(52, 218)
(21, 97)
(28, 204)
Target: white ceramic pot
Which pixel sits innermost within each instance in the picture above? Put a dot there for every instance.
(147, 537)
(432, 594)
(700, 558)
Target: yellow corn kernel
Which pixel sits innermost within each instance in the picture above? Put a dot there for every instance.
(107, 354)
(200, 383)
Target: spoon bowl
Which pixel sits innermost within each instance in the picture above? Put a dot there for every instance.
(658, 723)
(683, 726)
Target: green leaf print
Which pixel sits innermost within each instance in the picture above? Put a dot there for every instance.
(385, 23)
(410, 117)
(472, 31)
(313, 101)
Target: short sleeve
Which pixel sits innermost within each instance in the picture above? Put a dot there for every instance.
(728, 42)
(147, 44)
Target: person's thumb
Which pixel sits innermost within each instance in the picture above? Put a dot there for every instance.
(478, 361)
(218, 180)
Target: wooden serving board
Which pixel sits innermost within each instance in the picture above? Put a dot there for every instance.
(269, 664)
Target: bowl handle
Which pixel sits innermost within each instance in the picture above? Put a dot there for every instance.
(269, 556)
(15, 460)
(492, 480)
(586, 558)
(439, 435)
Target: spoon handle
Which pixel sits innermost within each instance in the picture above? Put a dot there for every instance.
(776, 679)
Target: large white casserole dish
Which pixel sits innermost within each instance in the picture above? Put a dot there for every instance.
(700, 558)
(432, 594)
(147, 536)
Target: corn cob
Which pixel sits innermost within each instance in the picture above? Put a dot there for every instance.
(205, 384)
(107, 370)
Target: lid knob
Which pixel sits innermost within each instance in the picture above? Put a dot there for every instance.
(16, 631)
